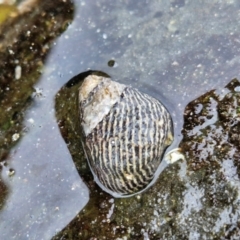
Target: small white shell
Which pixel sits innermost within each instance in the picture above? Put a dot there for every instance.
(174, 155)
(125, 134)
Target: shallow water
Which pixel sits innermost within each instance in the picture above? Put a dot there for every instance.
(173, 50)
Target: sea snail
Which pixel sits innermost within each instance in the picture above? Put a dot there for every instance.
(125, 134)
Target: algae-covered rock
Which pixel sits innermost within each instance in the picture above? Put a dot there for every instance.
(196, 198)
(27, 32)
(24, 43)
(7, 11)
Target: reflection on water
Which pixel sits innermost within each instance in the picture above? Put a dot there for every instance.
(44, 191)
(173, 50)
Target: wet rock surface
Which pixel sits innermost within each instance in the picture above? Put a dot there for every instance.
(30, 207)
(25, 41)
(25, 47)
(193, 199)
(181, 50)
(211, 146)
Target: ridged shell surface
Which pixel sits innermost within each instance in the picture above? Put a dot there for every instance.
(125, 134)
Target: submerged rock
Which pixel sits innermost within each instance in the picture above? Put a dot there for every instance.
(195, 198)
(27, 32)
(25, 41)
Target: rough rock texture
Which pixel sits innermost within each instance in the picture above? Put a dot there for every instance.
(25, 45)
(181, 50)
(193, 199)
(26, 36)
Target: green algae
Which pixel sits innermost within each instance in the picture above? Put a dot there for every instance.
(7, 11)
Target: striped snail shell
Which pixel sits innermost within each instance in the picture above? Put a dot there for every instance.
(125, 134)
